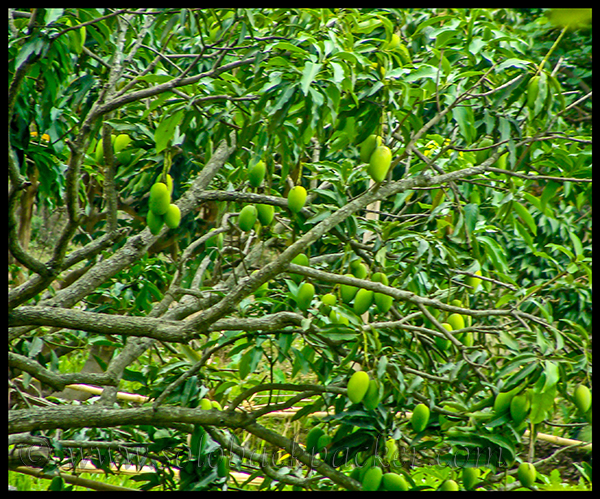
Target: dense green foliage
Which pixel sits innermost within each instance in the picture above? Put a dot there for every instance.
(485, 177)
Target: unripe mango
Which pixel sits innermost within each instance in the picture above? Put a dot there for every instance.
(306, 292)
(216, 405)
(329, 299)
(256, 174)
(359, 269)
(324, 441)
(519, 408)
(474, 282)
(582, 398)
(394, 482)
(266, 212)
(121, 142)
(363, 300)
(247, 217)
(481, 156)
(533, 90)
(503, 399)
(379, 163)
(420, 418)
(348, 292)
(449, 486)
(469, 477)
(382, 302)
(371, 398)
(154, 222)
(299, 259)
(312, 439)
(368, 146)
(173, 216)
(372, 479)
(296, 198)
(443, 343)
(526, 474)
(160, 199)
(358, 386)
(456, 321)
(205, 404)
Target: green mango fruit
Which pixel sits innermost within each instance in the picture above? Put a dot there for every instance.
(173, 216)
(395, 483)
(420, 418)
(266, 212)
(154, 222)
(247, 217)
(466, 339)
(223, 466)
(474, 282)
(469, 477)
(312, 439)
(443, 343)
(456, 321)
(306, 292)
(99, 153)
(329, 299)
(216, 405)
(348, 292)
(358, 386)
(380, 277)
(359, 269)
(503, 399)
(582, 398)
(449, 486)
(299, 259)
(533, 90)
(121, 142)
(372, 479)
(363, 300)
(379, 163)
(519, 408)
(215, 241)
(526, 474)
(323, 442)
(368, 146)
(296, 198)
(394, 42)
(160, 199)
(206, 404)
(256, 174)
(481, 156)
(382, 302)
(371, 398)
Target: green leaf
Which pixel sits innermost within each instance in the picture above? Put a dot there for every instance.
(165, 130)
(311, 69)
(525, 216)
(463, 116)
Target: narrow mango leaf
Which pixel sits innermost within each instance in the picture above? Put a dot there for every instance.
(525, 216)
(471, 215)
(311, 69)
(165, 130)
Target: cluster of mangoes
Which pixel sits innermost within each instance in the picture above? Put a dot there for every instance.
(207, 405)
(161, 210)
(363, 389)
(378, 155)
(364, 298)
